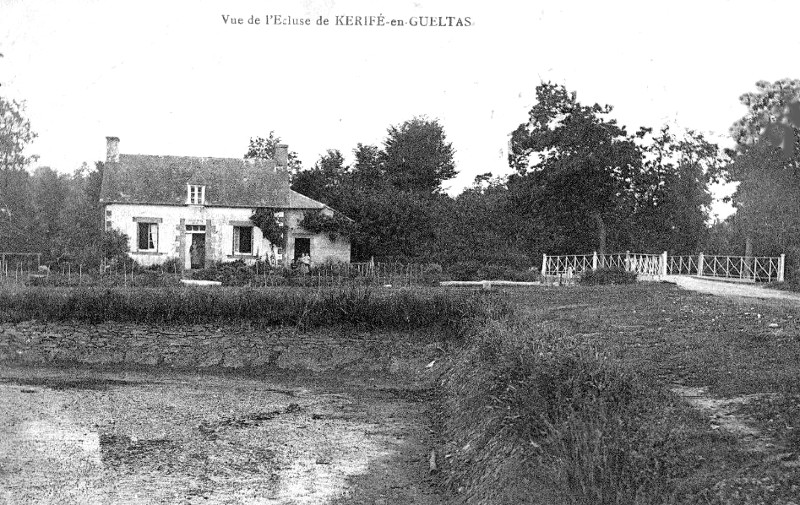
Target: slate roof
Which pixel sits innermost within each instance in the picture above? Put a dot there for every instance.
(229, 182)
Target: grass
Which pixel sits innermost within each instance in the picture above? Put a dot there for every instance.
(568, 399)
(554, 394)
(403, 309)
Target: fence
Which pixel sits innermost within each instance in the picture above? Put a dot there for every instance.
(126, 274)
(569, 266)
(394, 274)
(656, 266)
(742, 268)
(21, 262)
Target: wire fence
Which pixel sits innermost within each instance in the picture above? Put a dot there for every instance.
(31, 272)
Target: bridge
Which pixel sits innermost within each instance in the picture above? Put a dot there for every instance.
(658, 267)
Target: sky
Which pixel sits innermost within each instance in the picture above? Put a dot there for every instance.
(174, 78)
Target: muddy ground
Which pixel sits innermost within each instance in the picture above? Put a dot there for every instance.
(98, 436)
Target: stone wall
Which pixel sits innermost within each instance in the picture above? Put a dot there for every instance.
(205, 346)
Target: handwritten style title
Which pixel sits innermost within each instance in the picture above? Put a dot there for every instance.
(344, 20)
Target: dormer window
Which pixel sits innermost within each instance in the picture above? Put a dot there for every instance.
(197, 195)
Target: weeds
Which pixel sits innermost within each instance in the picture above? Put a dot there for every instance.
(306, 308)
(604, 276)
(555, 414)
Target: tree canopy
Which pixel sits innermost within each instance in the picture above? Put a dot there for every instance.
(264, 147)
(768, 174)
(417, 157)
(574, 167)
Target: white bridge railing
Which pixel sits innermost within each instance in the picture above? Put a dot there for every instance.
(656, 266)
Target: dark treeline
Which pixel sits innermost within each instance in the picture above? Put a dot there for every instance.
(580, 183)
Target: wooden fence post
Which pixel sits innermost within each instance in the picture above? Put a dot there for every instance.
(664, 264)
(627, 261)
(544, 265)
(781, 265)
(700, 265)
(594, 260)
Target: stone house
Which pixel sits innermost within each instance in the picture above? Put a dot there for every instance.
(198, 209)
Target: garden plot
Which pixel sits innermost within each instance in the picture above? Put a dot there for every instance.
(86, 436)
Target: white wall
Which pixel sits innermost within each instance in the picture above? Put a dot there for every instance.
(219, 243)
(174, 242)
(323, 249)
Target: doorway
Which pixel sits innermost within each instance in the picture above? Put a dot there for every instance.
(197, 251)
(302, 246)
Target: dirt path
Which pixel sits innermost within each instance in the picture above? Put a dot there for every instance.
(732, 289)
(83, 436)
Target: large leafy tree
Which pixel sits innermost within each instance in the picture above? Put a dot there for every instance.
(574, 168)
(768, 169)
(672, 192)
(417, 157)
(368, 170)
(324, 180)
(476, 226)
(15, 136)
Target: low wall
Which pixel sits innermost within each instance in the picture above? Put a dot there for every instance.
(204, 346)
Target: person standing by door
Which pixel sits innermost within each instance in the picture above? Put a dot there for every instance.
(305, 264)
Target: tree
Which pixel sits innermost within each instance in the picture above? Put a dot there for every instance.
(573, 172)
(323, 180)
(264, 147)
(477, 229)
(48, 198)
(672, 192)
(82, 218)
(767, 172)
(417, 157)
(368, 170)
(15, 136)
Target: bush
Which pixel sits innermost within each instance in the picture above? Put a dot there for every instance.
(476, 271)
(464, 270)
(555, 416)
(233, 273)
(604, 276)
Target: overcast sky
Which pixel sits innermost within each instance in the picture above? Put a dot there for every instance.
(171, 77)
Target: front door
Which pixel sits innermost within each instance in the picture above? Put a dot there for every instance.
(197, 251)
(301, 246)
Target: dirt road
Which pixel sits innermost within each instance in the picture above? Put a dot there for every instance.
(100, 437)
(732, 289)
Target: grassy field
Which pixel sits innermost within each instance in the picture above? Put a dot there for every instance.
(575, 389)
(571, 394)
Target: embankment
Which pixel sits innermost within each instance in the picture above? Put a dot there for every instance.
(226, 346)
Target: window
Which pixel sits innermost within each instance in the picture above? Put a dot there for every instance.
(195, 228)
(197, 195)
(243, 240)
(148, 236)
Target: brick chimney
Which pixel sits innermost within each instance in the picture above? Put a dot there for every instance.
(282, 156)
(112, 149)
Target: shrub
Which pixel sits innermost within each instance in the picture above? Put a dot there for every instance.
(603, 276)
(556, 416)
(476, 271)
(464, 270)
(432, 274)
(271, 229)
(333, 226)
